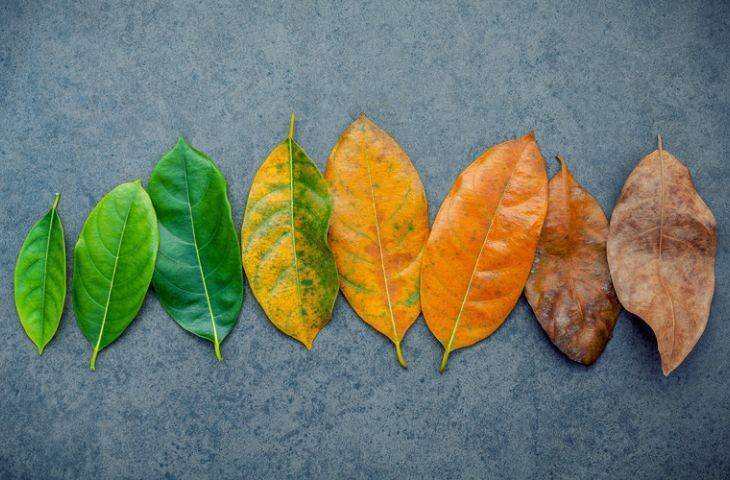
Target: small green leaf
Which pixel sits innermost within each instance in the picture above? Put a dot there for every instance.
(113, 263)
(198, 277)
(40, 278)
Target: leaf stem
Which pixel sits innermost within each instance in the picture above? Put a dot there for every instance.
(660, 142)
(444, 359)
(399, 354)
(56, 198)
(291, 125)
(217, 348)
(94, 353)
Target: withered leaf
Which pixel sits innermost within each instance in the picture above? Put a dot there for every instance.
(570, 287)
(661, 252)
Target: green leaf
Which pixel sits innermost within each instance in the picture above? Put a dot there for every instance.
(113, 263)
(290, 267)
(198, 276)
(40, 279)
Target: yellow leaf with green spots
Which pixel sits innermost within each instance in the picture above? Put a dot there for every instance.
(379, 228)
(289, 265)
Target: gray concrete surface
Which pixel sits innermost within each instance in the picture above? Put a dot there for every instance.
(92, 93)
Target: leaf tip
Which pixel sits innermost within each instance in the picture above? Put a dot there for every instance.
(362, 120)
(530, 135)
(561, 160)
(181, 141)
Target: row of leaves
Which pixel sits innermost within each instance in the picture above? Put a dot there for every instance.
(502, 229)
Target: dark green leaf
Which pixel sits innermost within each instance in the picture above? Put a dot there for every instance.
(198, 277)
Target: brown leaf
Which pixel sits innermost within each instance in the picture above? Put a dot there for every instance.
(570, 287)
(661, 252)
(482, 244)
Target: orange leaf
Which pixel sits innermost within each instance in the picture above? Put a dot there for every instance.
(661, 251)
(481, 247)
(379, 227)
(570, 287)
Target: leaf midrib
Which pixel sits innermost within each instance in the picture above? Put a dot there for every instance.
(449, 346)
(396, 339)
(289, 142)
(216, 343)
(569, 238)
(111, 284)
(661, 236)
(45, 277)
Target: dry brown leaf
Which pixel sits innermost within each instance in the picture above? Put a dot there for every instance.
(570, 287)
(661, 252)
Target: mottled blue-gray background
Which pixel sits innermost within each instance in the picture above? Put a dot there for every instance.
(92, 93)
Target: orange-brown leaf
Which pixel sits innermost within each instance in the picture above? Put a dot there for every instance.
(570, 287)
(661, 252)
(482, 244)
(379, 227)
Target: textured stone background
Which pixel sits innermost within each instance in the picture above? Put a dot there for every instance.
(92, 93)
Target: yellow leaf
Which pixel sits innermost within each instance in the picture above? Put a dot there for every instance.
(379, 228)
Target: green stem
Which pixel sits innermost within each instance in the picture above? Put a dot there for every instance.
(444, 359)
(56, 198)
(291, 125)
(94, 353)
(399, 354)
(217, 348)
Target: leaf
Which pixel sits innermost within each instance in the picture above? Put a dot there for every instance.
(379, 228)
(570, 287)
(482, 244)
(290, 268)
(198, 276)
(661, 252)
(40, 279)
(113, 262)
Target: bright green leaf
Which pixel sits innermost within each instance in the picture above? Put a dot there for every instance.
(113, 263)
(40, 278)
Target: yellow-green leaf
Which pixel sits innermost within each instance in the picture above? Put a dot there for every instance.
(288, 263)
(40, 279)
